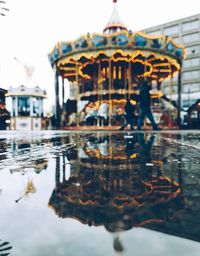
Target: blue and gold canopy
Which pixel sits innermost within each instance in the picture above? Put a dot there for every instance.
(160, 54)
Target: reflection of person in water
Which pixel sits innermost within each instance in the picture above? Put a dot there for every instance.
(130, 148)
(116, 228)
(117, 245)
(145, 147)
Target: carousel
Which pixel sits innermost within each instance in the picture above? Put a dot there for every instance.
(108, 68)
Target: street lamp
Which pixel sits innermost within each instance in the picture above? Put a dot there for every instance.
(3, 9)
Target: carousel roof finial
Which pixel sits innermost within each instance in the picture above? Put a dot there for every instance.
(115, 24)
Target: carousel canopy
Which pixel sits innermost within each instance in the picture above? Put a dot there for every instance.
(156, 57)
(160, 54)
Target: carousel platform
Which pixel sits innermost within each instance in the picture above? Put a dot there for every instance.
(114, 128)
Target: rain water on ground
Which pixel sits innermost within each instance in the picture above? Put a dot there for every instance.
(100, 193)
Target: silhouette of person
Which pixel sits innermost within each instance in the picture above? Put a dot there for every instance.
(129, 109)
(145, 106)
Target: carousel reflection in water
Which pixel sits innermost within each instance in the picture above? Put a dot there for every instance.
(116, 181)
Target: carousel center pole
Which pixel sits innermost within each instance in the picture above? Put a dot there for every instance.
(99, 90)
(57, 112)
(129, 79)
(171, 93)
(77, 95)
(110, 88)
(63, 93)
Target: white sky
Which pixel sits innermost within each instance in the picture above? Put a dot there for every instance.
(32, 28)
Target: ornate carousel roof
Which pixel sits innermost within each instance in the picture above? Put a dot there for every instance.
(160, 54)
(115, 24)
(157, 57)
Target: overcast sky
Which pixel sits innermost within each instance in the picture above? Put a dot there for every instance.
(32, 28)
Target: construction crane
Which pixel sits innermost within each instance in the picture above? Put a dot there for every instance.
(29, 70)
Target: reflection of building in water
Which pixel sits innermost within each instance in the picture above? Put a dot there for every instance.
(115, 190)
(28, 163)
(27, 108)
(3, 149)
(26, 149)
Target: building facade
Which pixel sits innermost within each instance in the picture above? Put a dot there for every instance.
(184, 31)
(27, 108)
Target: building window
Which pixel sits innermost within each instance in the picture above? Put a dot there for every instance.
(23, 106)
(166, 90)
(175, 89)
(186, 88)
(170, 90)
(190, 25)
(155, 33)
(191, 38)
(36, 107)
(177, 40)
(14, 106)
(191, 63)
(171, 30)
(189, 88)
(192, 50)
(175, 78)
(191, 75)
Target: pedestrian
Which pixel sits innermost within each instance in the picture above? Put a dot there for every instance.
(129, 115)
(145, 106)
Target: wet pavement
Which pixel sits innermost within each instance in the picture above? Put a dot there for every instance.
(100, 193)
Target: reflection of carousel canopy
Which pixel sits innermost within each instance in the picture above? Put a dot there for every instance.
(117, 198)
(113, 61)
(118, 205)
